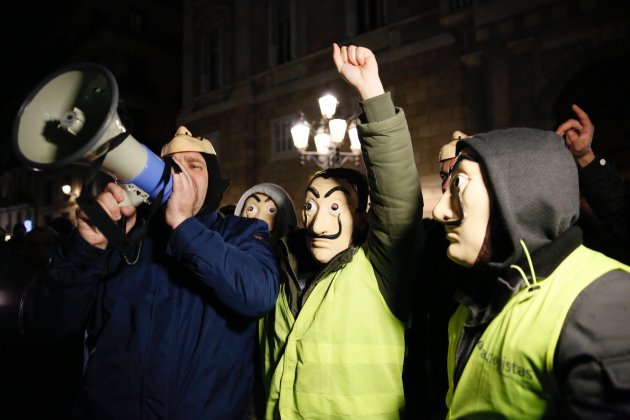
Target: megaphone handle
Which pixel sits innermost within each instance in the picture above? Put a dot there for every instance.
(133, 196)
(102, 221)
(99, 217)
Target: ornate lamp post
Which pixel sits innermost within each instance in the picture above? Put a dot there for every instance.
(328, 137)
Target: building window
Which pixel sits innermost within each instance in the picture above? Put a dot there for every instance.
(210, 60)
(136, 21)
(459, 5)
(215, 139)
(137, 75)
(282, 31)
(281, 141)
(365, 15)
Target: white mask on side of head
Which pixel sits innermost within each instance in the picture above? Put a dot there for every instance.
(464, 209)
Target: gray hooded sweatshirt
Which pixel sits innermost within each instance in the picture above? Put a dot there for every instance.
(533, 185)
(286, 219)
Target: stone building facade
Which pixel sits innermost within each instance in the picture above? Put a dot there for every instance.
(240, 72)
(249, 68)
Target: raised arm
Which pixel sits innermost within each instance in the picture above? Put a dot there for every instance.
(607, 193)
(578, 136)
(395, 234)
(358, 67)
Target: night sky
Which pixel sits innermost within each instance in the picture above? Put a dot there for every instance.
(28, 56)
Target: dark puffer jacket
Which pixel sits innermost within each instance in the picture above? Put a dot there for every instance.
(173, 335)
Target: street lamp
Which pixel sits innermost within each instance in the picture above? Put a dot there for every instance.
(328, 137)
(68, 194)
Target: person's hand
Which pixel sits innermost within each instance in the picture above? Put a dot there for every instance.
(183, 199)
(357, 65)
(578, 136)
(109, 200)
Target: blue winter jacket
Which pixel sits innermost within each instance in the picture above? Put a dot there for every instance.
(173, 335)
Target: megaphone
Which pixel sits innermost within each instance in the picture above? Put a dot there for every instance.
(71, 117)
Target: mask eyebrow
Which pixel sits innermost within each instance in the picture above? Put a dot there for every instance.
(255, 197)
(337, 188)
(313, 191)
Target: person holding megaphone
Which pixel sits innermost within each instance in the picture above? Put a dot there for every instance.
(170, 326)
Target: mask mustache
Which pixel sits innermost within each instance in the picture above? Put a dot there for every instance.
(333, 236)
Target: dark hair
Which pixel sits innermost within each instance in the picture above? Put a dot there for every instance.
(217, 186)
(356, 179)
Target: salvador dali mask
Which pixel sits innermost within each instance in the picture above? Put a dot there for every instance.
(329, 217)
(464, 210)
(260, 206)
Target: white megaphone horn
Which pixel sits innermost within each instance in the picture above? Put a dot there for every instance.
(71, 118)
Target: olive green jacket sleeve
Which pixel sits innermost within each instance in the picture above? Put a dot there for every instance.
(395, 237)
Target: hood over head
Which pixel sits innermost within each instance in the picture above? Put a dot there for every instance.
(183, 141)
(286, 218)
(533, 185)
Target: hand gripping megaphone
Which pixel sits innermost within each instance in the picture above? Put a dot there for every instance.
(71, 117)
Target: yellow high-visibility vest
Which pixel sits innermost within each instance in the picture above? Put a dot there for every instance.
(510, 372)
(341, 357)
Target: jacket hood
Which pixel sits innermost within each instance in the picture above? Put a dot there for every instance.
(285, 218)
(533, 184)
